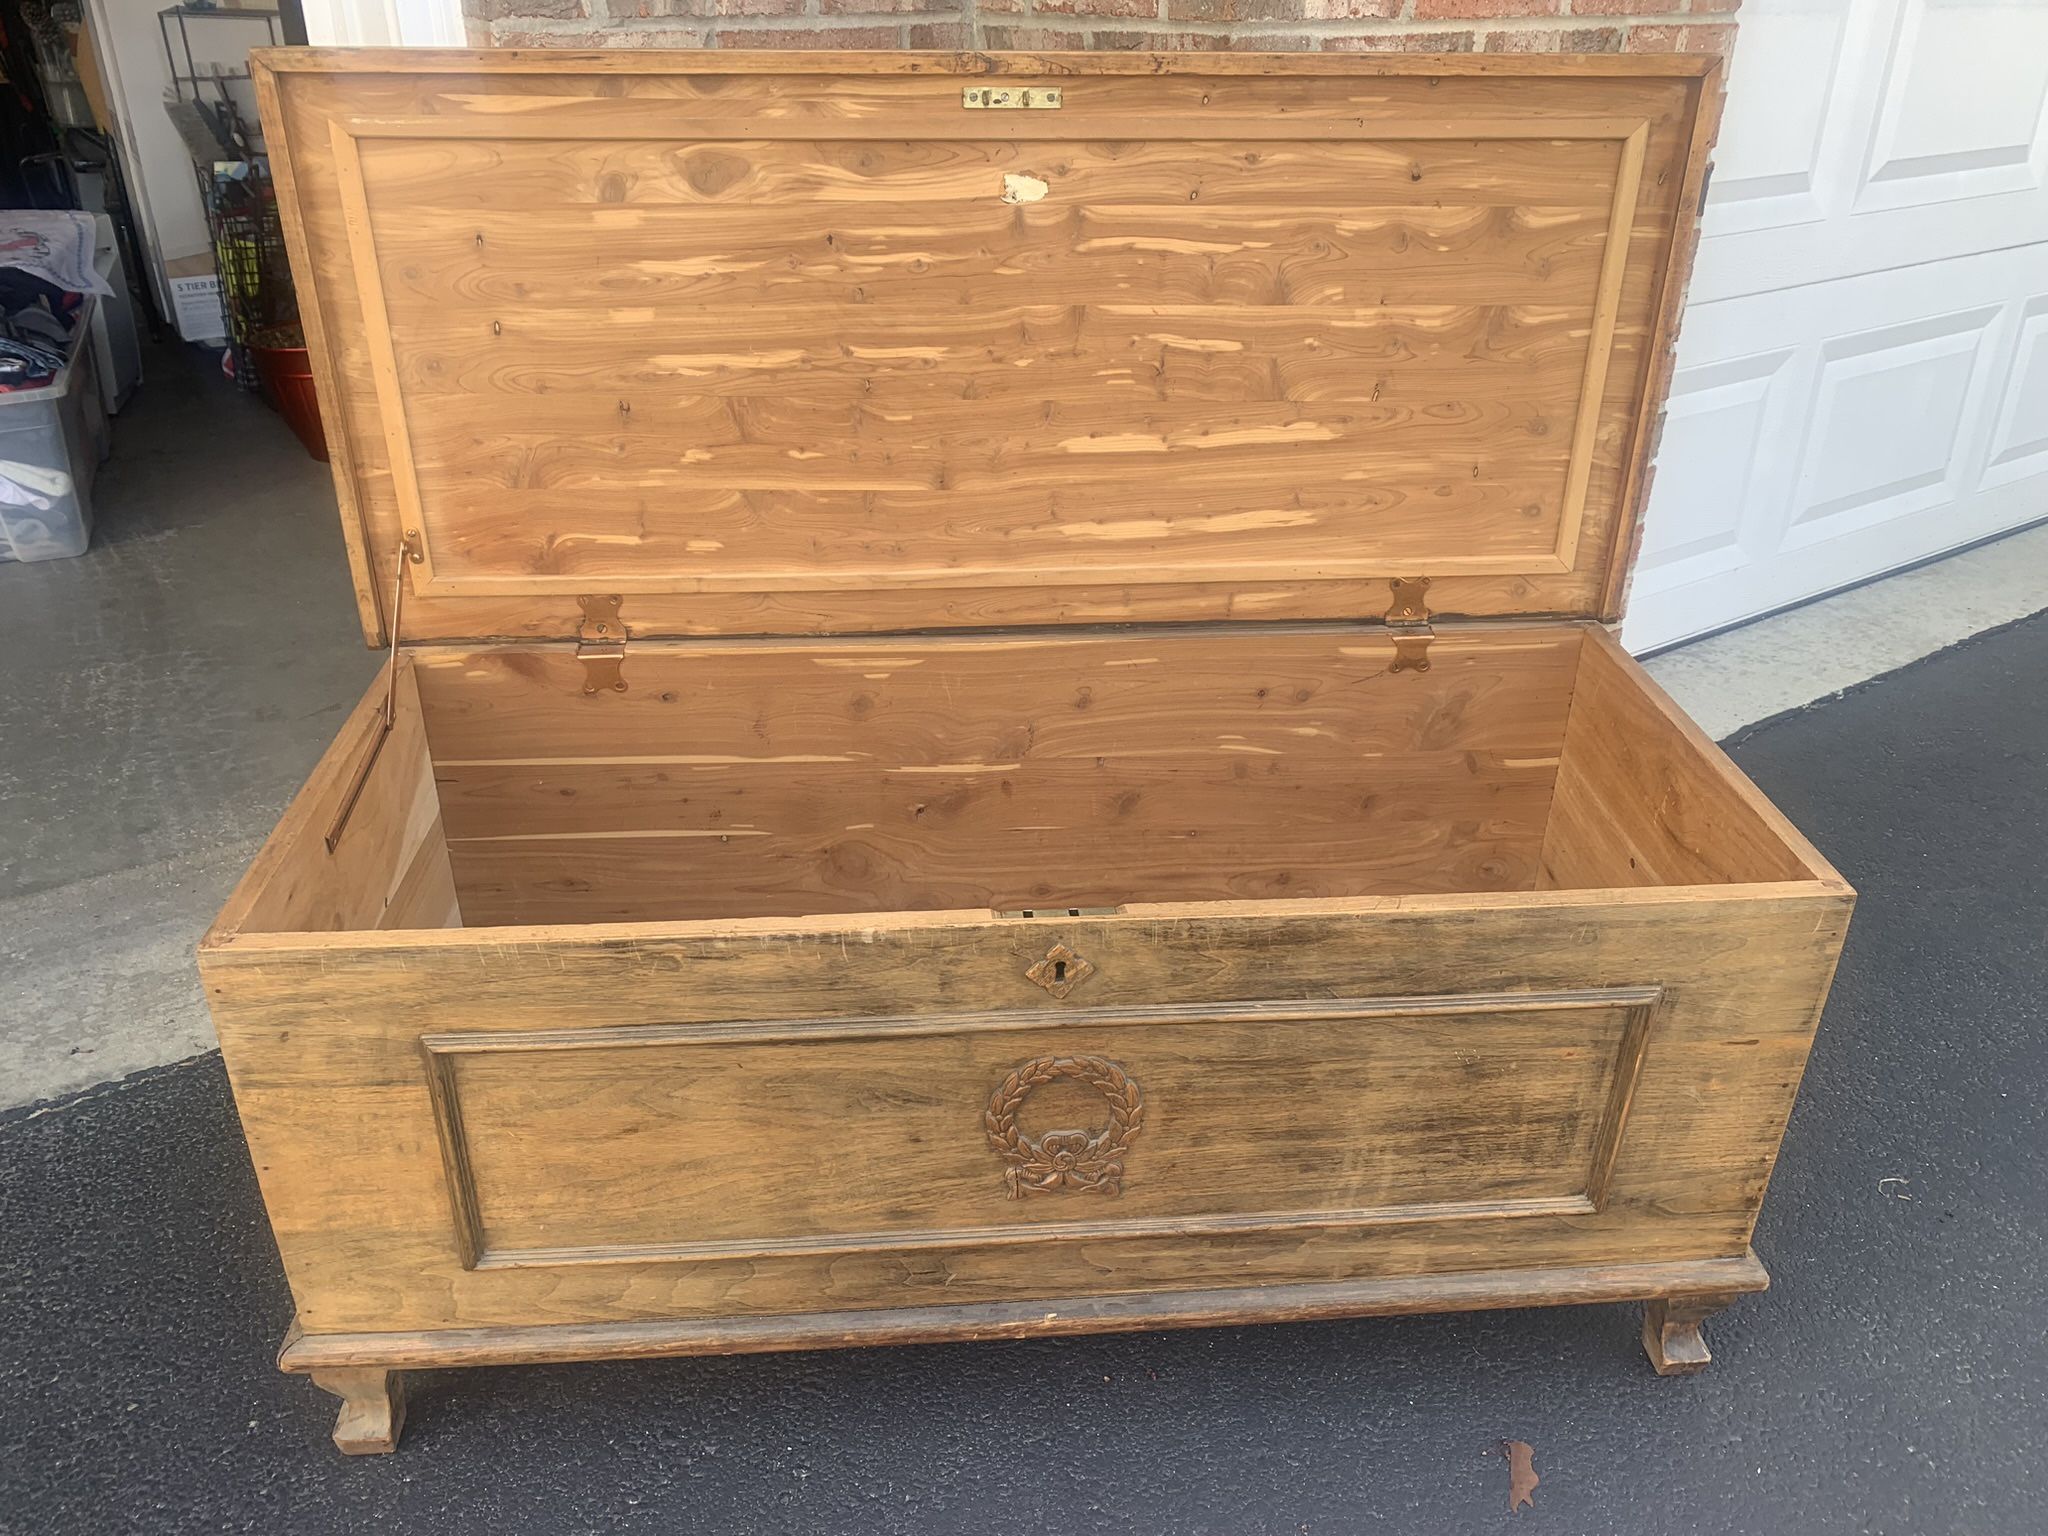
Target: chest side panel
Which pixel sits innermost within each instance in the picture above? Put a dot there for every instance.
(812, 351)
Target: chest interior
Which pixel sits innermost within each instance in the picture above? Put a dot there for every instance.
(1022, 774)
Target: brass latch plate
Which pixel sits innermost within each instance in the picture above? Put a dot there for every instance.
(602, 648)
(1011, 98)
(1057, 911)
(1407, 618)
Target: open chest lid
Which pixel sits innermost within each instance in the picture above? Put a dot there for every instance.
(795, 343)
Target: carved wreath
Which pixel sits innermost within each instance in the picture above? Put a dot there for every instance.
(1065, 1159)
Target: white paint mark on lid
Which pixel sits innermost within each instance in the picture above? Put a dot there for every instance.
(1023, 189)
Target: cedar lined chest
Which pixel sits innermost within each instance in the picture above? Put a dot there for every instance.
(1001, 716)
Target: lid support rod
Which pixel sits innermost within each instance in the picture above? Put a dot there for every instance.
(387, 717)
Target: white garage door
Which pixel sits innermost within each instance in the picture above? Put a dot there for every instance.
(1863, 371)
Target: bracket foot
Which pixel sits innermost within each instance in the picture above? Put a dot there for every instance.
(372, 1408)
(1671, 1332)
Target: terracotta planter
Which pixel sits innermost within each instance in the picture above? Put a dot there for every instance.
(286, 375)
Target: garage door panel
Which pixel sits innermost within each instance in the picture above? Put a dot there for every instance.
(1788, 106)
(1867, 135)
(1718, 421)
(1862, 376)
(1887, 422)
(1822, 434)
(2019, 442)
(1961, 102)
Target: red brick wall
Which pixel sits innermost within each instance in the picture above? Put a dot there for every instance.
(1534, 26)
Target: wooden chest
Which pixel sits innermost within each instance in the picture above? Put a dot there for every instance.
(1000, 717)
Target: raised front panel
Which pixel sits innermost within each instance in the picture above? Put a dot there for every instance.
(748, 1140)
(805, 340)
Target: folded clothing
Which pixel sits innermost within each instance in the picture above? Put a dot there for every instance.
(22, 363)
(39, 322)
(54, 244)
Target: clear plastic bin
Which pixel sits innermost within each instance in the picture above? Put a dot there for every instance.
(51, 443)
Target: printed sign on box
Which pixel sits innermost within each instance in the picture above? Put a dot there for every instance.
(197, 303)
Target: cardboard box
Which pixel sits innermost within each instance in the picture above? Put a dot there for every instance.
(195, 298)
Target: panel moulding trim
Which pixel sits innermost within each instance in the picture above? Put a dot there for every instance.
(657, 120)
(1630, 135)
(442, 1052)
(362, 246)
(1628, 181)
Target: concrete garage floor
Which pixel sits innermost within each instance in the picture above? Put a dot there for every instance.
(164, 696)
(170, 690)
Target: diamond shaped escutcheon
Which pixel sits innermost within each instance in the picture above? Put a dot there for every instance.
(1060, 971)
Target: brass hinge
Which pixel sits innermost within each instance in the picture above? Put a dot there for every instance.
(1407, 619)
(602, 648)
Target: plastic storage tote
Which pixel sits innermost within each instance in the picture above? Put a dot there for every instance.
(51, 442)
